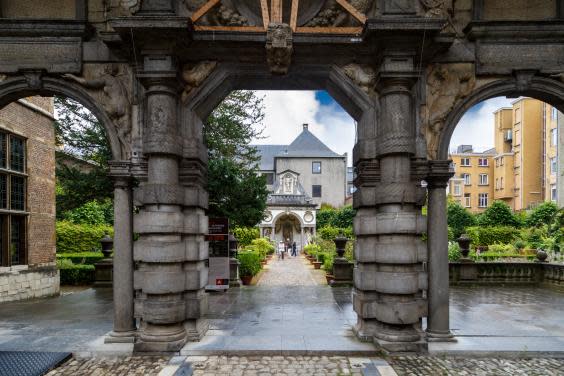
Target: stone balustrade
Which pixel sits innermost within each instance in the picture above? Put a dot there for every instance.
(542, 274)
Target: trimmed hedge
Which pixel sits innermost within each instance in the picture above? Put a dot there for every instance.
(77, 275)
(245, 235)
(75, 238)
(492, 256)
(88, 258)
(250, 263)
(330, 232)
(483, 236)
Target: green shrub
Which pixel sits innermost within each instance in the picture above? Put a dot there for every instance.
(74, 238)
(328, 263)
(89, 258)
(483, 236)
(330, 232)
(71, 274)
(458, 219)
(312, 248)
(501, 248)
(454, 252)
(92, 213)
(534, 236)
(544, 214)
(263, 245)
(245, 235)
(519, 244)
(499, 214)
(249, 263)
(329, 216)
(492, 256)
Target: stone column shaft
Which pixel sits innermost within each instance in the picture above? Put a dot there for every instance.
(388, 225)
(438, 326)
(124, 322)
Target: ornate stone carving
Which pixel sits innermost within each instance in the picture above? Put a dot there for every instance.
(363, 76)
(3, 77)
(447, 84)
(279, 48)
(334, 15)
(557, 76)
(109, 86)
(33, 79)
(223, 15)
(433, 8)
(193, 76)
(131, 6)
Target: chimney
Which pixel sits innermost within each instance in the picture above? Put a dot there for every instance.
(305, 126)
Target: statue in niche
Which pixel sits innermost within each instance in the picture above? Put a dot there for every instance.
(114, 98)
(223, 15)
(288, 184)
(334, 15)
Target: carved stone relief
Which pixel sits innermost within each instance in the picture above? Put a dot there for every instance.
(447, 84)
(225, 14)
(334, 15)
(364, 76)
(193, 76)
(131, 6)
(557, 76)
(110, 85)
(279, 48)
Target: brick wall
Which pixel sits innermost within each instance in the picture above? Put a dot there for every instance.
(37, 128)
(32, 119)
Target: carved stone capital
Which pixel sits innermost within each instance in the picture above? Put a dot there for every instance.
(279, 47)
(362, 75)
(194, 75)
(440, 172)
(120, 172)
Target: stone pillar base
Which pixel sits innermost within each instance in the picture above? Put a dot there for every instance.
(388, 347)
(161, 338)
(121, 337)
(196, 329)
(434, 336)
(234, 280)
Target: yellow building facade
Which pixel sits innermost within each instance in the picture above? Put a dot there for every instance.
(522, 168)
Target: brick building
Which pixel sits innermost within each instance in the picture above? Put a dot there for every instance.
(27, 200)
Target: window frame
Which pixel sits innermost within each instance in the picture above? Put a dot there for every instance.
(456, 189)
(553, 193)
(465, 159)
(467, 178)
(467, 200)
(554, 137)
(553, 165)
(481, 197)
(480, 178)
(313, 186)
(313, 171)
(485, 160)
(10, 217)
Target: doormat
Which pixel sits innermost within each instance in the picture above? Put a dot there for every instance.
(28, 363)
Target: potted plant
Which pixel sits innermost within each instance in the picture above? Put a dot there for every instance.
(250, 265)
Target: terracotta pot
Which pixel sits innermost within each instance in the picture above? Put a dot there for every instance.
(317, 264)
(329, 278)
(246, 279)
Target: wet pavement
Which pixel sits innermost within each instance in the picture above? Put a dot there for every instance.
(510, 320)
(307, 316)
(291, 310)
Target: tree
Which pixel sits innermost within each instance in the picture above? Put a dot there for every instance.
(235, 190)
(458, 218)
(80, 135)
(499, 214)
(344, 217)
(544, 214)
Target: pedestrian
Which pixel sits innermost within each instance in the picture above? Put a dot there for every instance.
(294, 249)
(280, 251)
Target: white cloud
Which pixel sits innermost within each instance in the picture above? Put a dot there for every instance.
(286, 111)
(476, 127)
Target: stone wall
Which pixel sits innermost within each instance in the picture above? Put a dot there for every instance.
(24, 282)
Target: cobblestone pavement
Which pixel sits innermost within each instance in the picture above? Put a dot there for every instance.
(130, 366)
(310, 365)
(435, 366)
(292, 271)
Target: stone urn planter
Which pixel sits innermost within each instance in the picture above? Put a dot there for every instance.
(246, 279)
(541, 255)
(329, 278)
(317, 264)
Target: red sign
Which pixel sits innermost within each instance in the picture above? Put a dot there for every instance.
(218, 226)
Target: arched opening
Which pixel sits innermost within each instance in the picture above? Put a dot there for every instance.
(505, 160)
(291, 179)
(57, 146)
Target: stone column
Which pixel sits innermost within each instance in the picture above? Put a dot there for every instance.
(124, 321)
(160, 251)
(438, 326)
(389, 278)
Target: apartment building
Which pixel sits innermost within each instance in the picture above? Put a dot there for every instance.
(523, 167)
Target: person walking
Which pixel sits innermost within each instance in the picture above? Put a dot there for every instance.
(281, 247)
(294, 249)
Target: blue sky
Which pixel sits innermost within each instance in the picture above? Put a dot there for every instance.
(286, 111)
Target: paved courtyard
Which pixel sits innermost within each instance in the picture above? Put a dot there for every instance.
(292, 323)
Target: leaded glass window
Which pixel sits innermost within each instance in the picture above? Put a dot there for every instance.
(17, 194)
(3, 149)
(3, 191)
(17, 240)
(17, 154)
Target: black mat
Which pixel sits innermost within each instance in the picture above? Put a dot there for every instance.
(27, 363)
